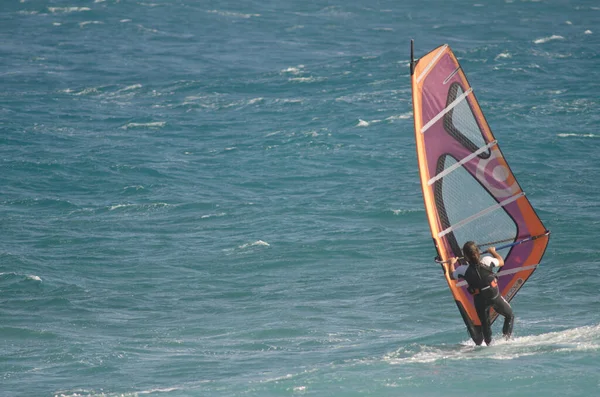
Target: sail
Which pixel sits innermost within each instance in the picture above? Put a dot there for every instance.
(470, 192)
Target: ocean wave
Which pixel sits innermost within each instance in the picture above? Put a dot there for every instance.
(254, 244)
(290, 101)
(43, 203)
(103, 393)
(84, 23)
(305, 79)
(232, 14)
(85, 91)
(219, 214)
(68, 10)
(141, 207)
(403, 116)
(570, 340)
(567, 135)
(130, 87)
(25, 333)
(133, 187)
(364, 123)
(13, 277)
(503, 55)
(403, 212)
(152, 124)
(547, 39)
(294, 69)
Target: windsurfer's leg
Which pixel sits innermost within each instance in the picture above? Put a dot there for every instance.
(502, 307)
(477, 336)
(483, 311)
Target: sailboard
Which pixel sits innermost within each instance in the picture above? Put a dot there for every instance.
(470, 192)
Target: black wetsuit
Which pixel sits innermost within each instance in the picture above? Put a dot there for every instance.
(483, 285)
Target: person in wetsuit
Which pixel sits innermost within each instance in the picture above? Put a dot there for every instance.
(482, 284)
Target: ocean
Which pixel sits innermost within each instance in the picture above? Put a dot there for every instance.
(221, 198)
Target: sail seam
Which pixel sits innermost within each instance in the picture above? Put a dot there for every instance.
(460, 163)
(470, 219)
(451, 75)
(430, 64)
(446, 110)
(516, 270)
(504, 273)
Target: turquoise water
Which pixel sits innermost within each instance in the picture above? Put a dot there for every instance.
(222, 198)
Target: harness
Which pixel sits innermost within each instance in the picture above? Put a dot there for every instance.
(479, 283)
(477, 291)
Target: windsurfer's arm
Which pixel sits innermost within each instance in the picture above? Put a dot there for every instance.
(492, 251)
(451, 268)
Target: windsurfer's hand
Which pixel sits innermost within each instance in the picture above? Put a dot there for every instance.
(492, 250)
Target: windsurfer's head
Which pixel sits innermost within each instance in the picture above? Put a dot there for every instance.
(471, 252)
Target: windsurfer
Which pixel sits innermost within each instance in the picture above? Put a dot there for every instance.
(483, 285)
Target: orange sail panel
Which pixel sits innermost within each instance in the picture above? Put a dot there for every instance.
(470, 192)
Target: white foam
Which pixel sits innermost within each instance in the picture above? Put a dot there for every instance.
(293, 100)
(400, 212)
(153, 205)
(588, 32)
(255, 100)
(91, 393)
(67, 10)
(547, 39)
(213, 215)
(134, 187)
(82, 24)
(566, 135)
(114, 207)
(151, 30)
(34, 277)
(403, 116)
(161, 390)
(254, 244)
(362, 123)
(85, 91)
(293, 70)
(232, 14)
(130, 87)
(153, 124)
(306, 79)
(584, 338)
